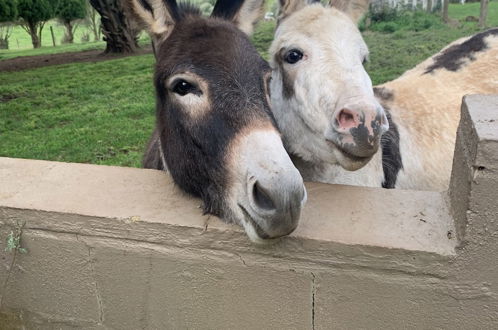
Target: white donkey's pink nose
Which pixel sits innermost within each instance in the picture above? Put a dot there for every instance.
(357, 128)
(373, 118)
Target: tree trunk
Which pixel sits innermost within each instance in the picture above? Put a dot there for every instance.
(4, 43)
(429, 6)
(483, 13)
(69, 37)
(119, 33)
(39, 27)
(94, 25)
(33, 32)
(5, 32)
(445, 10)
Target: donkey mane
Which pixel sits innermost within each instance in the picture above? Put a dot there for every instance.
(227, 8)
(392, 162)
(188, 9)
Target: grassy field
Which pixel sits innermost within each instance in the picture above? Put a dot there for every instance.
(459, 12)
(66, 48)
(99, 113)
(20, 39)
(20, 42)
(102, 113)
(391, 54)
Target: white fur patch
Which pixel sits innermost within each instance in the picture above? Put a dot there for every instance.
(259, 156)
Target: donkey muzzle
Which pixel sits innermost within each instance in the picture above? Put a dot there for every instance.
(271, 190)
(356, 129)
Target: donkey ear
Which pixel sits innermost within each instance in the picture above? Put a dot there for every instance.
(355, 9)
(243, 13)
(156, 16)
(287, 7)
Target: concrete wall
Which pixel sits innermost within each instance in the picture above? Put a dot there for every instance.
(122, 248)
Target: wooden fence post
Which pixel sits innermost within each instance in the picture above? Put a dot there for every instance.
(52, 32)
(483, 13)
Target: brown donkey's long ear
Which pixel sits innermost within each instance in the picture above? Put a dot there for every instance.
(355, 9)
(287, 7)
(157, 16)
(243, 13)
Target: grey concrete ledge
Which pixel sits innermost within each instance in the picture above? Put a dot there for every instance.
(406, 231)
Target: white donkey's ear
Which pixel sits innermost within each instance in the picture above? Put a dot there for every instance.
(156, 16)
(287, 7)
(355, 9)
(243, 13)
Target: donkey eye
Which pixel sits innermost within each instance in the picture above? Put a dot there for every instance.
(183, 87)
(293, 56)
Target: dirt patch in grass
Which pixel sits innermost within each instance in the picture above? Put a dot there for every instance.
(8, 97)
(38, 61)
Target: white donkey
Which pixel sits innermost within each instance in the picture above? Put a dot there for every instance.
(333, 124)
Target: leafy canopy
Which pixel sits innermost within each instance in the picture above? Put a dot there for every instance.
(69, 10)
(8, 10)
(35, 11)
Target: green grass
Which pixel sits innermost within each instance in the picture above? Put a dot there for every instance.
(459, 12)
(20, 39)
(103, 113)
(26, 47)
(263, 36)
(66, 48)
(99, 113)
(391, 54)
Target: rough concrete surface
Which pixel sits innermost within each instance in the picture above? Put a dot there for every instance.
(121, 248)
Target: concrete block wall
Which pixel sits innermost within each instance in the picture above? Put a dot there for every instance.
(122, 248)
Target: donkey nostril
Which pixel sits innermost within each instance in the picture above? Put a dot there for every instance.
(346, 119)
(262, 198)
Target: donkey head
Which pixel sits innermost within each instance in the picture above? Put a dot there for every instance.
(321, 95)
(214, 129)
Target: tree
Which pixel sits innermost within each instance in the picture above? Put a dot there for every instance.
(445, 11)
(8, 10)
(483, 13)
(68, 11)
(120, 34)
(92, 18)
(8, 13)
(34, 14)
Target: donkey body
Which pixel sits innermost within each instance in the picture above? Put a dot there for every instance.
(422, 107)
(425, 106)
(214, 130)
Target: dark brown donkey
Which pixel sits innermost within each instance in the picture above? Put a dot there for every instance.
(214, 131)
